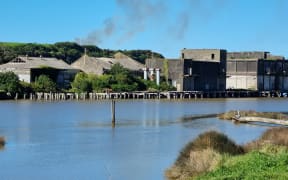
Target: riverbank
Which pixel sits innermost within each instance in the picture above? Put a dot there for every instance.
(142, 95)
(214, 155)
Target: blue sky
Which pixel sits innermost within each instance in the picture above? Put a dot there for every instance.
(165, 26)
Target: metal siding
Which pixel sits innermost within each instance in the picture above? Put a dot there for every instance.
(260, 82)
(241, 66)
(231, 66)
(285, 85)
(272, 82)
(266, 83)
(252, 66)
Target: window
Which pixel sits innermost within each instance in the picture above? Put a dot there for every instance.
(182, 55)
(212, 56)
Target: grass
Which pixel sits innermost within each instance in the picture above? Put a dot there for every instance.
(273, 115)
(213, 155)
(254, 165)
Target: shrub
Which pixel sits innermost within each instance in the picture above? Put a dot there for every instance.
(210, 140)
(81, 83)
(274, 136)
(44, 84)
(9, 82)
(202, 155)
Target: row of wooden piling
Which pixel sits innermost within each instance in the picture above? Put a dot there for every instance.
(148, 95)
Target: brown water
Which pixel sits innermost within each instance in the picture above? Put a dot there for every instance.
(74, 140)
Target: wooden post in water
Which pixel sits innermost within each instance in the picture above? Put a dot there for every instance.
(113, 112)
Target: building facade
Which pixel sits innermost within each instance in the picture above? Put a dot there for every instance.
(219, 70)
(258, 71)
(29, 68)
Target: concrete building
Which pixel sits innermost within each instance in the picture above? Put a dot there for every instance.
(196, 70)
(256, 71)
(217, 70)
(204, 69)
(28, 68)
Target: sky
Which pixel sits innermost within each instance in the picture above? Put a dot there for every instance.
(164, 26)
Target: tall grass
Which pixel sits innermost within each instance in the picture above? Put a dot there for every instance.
(274, 136)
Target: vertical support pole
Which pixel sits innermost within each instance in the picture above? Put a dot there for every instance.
(157, 76)
(145, 70)
(113, 112)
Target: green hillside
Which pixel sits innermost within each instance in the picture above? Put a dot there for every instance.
(67, 51)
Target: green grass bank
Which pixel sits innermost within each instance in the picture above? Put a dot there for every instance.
(213, 155)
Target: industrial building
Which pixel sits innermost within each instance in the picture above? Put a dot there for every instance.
(28, 68)
(256, 71)
(219, 70)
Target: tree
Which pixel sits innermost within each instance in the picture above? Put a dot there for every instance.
(100, 83)
(81, 83)
(9, 82)
(44, 84)
(122, 79)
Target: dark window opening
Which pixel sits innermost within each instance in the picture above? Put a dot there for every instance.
(212, 56)
(182, 55)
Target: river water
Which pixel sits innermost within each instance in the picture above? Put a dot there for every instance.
(74, 139)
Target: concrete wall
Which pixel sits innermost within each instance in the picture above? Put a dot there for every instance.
(242, 67)
(175, 73)
(24, 77)
(241, 82)
(247, 55)
(175, 70)
(204, 54)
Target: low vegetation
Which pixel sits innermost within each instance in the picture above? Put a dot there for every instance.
(273, 115)
(2, 142)
(118, 79)
(213, 156)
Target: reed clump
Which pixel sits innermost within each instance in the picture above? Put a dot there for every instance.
(272, 137)
(202, 155)
(2, 142)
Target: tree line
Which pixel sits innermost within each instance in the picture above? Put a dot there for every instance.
(67, 51)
